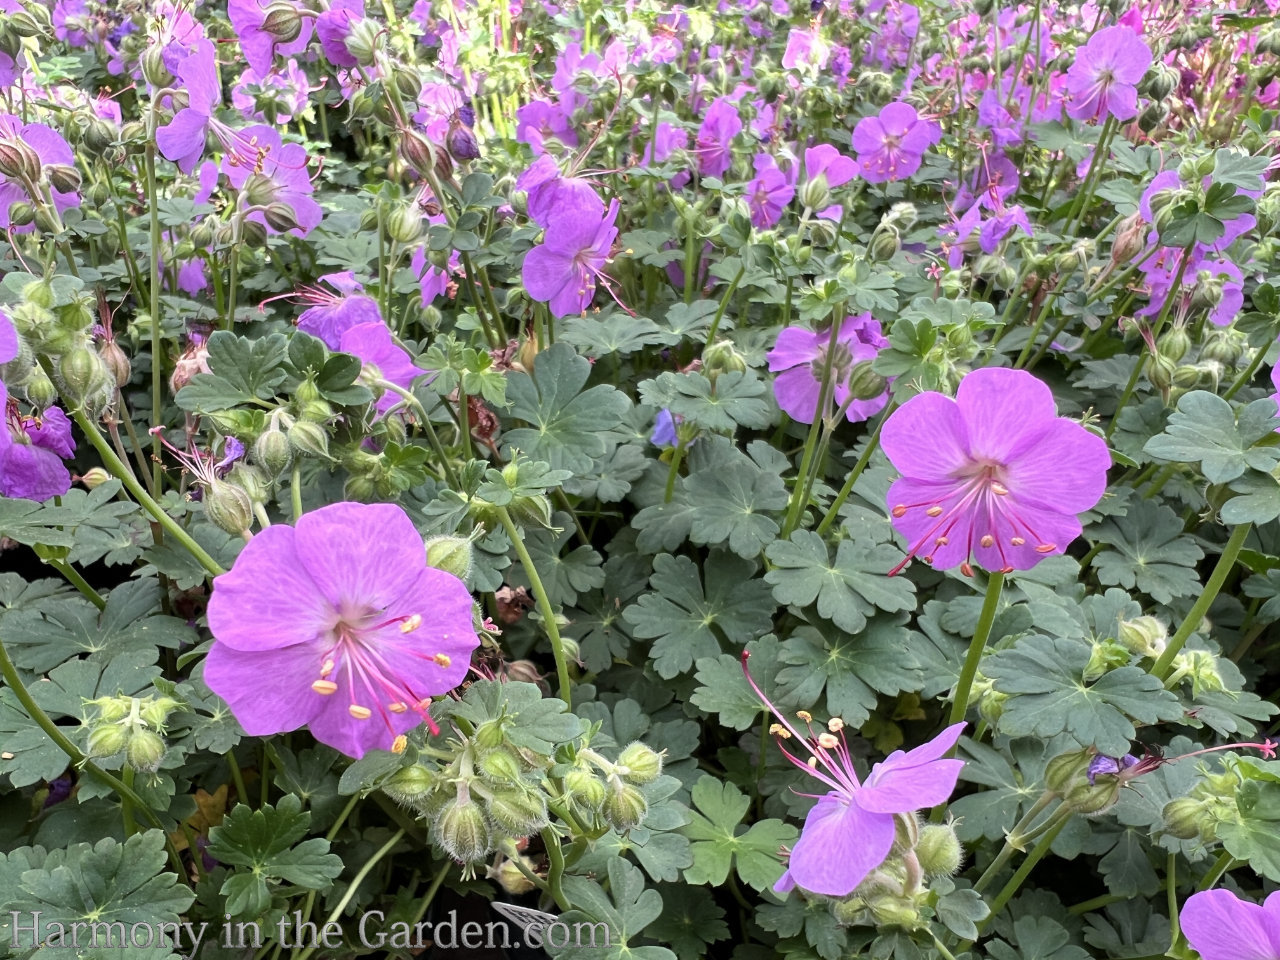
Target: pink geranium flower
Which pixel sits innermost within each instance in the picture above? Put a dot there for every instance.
(338, 624)
(799, 358)
(891, 146)
(994, 475)
(1221, 926)
(1105, 75)
(849, 832)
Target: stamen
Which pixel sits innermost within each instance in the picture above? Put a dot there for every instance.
(999, 489)
(399, 706)
(324, 687)
(900, 511)
(412, 624)
(359, 712)
(941, 541)
(965, 569)
(987, 540)
(1017, 541)
(835, 724)
(812, 763)
(827, 741)
(1046, 548)
(327, 667)
(778, 730)
(934, 511)
(442, 659)
(399, 743)
(805, 715)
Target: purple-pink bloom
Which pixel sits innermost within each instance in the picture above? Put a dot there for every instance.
(268, 27)
(376, 348)
(34, 146)
(540, 119)
(9, 346)
(261, 151)
(432, 281)
(339, 625)
(276, 98)
(799, 357)
(562, 270)
(1221, 926)
(849, 831)
(714, 145)
(32, 450)
(664, 429)
(1102, 765)
(891, 146)
(769, 193)
(333, 27)
(805, 50)
(182, 139)
(330, 315)
(994, 475)
(1105, 75)
(826, 161)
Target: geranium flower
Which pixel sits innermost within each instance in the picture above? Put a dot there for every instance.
(333, 27)
(891, 146)
(849, 832)
(539, 119)
(268, 27)
(374, 345)
(339, 625)
(1221, 926)
(769, 193)
(182, 139)
(330, 315)
(562, 270)
(714, 144)
(994, 475)
(1105, 75)
(284, 166)
(32, 450)
(800, 355)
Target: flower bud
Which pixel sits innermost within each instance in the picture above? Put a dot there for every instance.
(1105, 656)
(517, 812)
(1067, 769)
(228, 507)
(114, 359)
(865, 383)
(94, 477)
(409, 785)
(251, 233)
(891, 911)
(280, 217)
(816, 193)
(1182, 818)
(462, 143)
(1208, 291)
(1174, 344)
(309, 439)
(1185, 377)
(462, 830)
(450, 554)
(721, 357)
(625, 807)
(1160, 371)
(1092, 798)
(991, 706)
(884, 244)
(252, 480)
(1144, 635)
(511, 878)
(82, 373)
(585, 789)
(363, 41)
(532, 511)
(155, 711)
(40, 389)
(283, 22)
(500, 764)
(63, 177)
(404, 223)
(417, 151)
(21, 214)
(1223, 346)
(1152, 115)
(18, 160)
(939, 850)
(272, 450)
(642, 764)
(258, 190)
(106, 740)
(144, 751)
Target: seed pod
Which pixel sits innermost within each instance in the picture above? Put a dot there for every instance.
(450, 554)
(462, 830)
(280, 217)
(145, 751)
(116, 362)
(517, 812)
(228, 507)
(1182, 818)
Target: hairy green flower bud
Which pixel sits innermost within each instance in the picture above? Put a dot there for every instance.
(417, 151)
(1174, 344)
(409, 785)
(1092, 798)
(40, 389)
(280, 217)
(884, 244)
(462, 830)
(722, 357)
(451, 554)
(364, 40)
(585, 789)
(144, 751)
(272, 450)
(939, 850)
(1144, 635)
(1160, 371)
(891, 911)
(511, 878)
(114, 359)
(82, 373)
(106, 740)
(1152, 115)
(865, 383)
(309, 439)
(283, 22)
(404, 223)
(816, 193)
(18, 160)
(1182, 818)
(500, 764)
(155, 711)
(1105, 656)
(94, 477)
(641, 763)
(625, 807)
(518, 812)
(63, 177)
(1066, 770)
(228, 507)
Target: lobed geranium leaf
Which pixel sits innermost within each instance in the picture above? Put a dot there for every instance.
(241, 371)
(1205, 430)
(690, 920)
(1148, 551)
(719, 842)
(737, 398)
(628, 908)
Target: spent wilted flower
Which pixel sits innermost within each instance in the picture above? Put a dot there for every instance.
(1221, 926)
(891, 146)
(1105, 75)
(333, 26)
(799, 357)
(338, 624)
(994, 476)
(849, 832)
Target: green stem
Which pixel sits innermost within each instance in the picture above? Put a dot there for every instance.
(237, 777)
(358, 879)
(676, 457)
(120, 471)
(795, 509)
(295, 491)
(724, 304)
(1037, 853)
(1080, 205)
(126, 805)
(544, 605)
(1248, 373)
(1160, 670)
(1220, 866)
(14, 682)
(432, 437)
(555, 857)
(964, 686)
(1015, 840)
(79, 582)
(856, 472)
(157, 371)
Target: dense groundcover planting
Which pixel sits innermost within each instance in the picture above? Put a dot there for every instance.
(729, 480)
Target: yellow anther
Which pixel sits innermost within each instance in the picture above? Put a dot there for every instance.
(827, 741)
(398, 707)
(934, 511)
(1017, 541)
(835, 724)
(988, 541)
(778, 730)
(399, 743)
(813, 763)
(359, 712)
(999, 489)
(443, 659)
(324, 687)
(411, 624)
(804, 715)
(326, 668)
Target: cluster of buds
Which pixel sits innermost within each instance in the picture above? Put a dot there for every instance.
(59, 326)
(610, 790)
(133, 726)
(1146, 636)
(894, 893)
(1210, 803)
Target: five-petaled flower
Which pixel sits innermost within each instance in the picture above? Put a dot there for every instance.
(1104, 77)
(562, 270)
(339, 625)
(891, 146)
(994, 475)
(849, 832)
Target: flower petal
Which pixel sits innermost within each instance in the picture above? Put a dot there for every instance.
(362, 556)
(1221, 926)
(926, 438)
(796, 345)
(1065, 469)
(840, 844)
(918, 778)
(1003, 411)
(237, 676)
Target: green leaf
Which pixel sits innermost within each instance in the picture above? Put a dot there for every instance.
(960, 911)
(564, 576)
(1149, 551)
(1239, 169)
(1127, 866)
(566, 427)
(529, 720)
(738, 398)
(1256, 838)
(690, 920)
(1258, 501)
(266, 842)
(108, 883)
(728, 507)
(241, 371)
(720, 842)
(627, 909)
(848, 591)
(1204, 430)
(682, 619)
(853, 670)
(615, 334)
(724, 691)
(1037, 938)
(1047, 696)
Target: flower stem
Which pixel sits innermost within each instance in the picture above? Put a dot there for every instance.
(1160, 670)
(127, 795)
(544, 605)
(153, 285)
(795, 509)
(1014, 841)
(119, 470)
(856, 472)
(724, 304)
(1248, 373)
(555, 857)
(964, 686)
(295, 491)
(79, 582)
(1037, 853)
(674, 471)
(1220, 866)
(358, 879)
